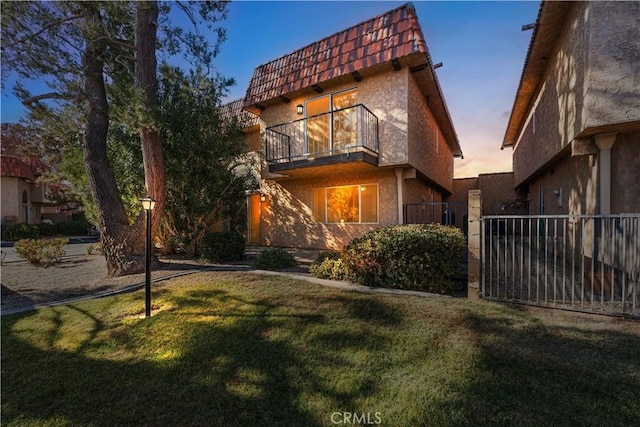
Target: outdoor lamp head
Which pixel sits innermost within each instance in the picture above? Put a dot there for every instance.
(299, 109)
(148, 203)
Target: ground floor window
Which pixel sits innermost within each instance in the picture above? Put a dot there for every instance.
(346, 204)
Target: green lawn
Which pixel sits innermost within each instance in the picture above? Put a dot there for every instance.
(227, 349)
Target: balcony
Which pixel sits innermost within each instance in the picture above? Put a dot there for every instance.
(345, 135)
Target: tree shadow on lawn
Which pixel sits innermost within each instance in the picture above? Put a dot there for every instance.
(224, 366)
(532, 372)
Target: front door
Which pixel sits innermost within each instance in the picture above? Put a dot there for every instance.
(254, 219)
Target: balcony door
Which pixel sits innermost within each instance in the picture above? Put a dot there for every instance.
(331, 125)
(344, 120)
(319, 126)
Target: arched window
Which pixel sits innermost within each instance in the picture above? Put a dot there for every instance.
(25, 206)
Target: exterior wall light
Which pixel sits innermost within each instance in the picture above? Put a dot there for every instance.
(263, 198)
(299, 109)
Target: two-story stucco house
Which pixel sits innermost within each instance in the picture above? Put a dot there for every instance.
(24, 198)
(22, 195)
(353, 127)
(575, 123)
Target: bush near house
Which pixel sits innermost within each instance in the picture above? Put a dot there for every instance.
(47, 229)
(329, 265)
(21, 231)
(419, 257)
(222, 246)
(274, 259)
(74, 228)
(41, 251)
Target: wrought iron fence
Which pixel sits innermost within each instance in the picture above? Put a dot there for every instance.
(442, 213)
(589, 263)
(340, 131)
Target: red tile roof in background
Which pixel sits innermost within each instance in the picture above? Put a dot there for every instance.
(389, 36)
(15, 167)
(14, 162)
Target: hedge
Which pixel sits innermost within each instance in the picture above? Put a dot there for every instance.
(222, 246)
(419, 257)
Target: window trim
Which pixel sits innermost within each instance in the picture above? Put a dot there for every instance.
(326, 204)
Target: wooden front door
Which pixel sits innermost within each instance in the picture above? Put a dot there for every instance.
(254, 219)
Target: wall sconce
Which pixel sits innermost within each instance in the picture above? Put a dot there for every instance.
(299, 109)
(263, 198)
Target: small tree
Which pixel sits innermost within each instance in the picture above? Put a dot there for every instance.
(203, 155)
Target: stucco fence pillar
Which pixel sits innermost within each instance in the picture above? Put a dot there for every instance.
(474, 267)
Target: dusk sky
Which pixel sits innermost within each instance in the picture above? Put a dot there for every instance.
(480, 44)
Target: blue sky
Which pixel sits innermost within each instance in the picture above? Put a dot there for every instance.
(480, 43)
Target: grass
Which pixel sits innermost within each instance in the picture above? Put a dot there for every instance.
(227, 349)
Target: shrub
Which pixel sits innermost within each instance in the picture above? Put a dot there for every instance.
(40, 251)
(47, 229)
(274, 259)
(73, 228)
(21, 231)
(222, 246)
(95, 249)
(420, 257)
(329, 265)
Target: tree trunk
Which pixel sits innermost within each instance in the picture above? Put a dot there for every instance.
(124, 249)
(147, 85)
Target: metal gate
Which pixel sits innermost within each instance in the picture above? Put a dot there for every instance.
(587, 263)
(441, 213)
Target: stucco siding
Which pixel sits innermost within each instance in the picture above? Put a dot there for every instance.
(416, 191)
(287, 218)
(11, 199)
(575, 183)
(428, 150)
(613, 90)
(625, 173)
(557, 114)
(499, 196)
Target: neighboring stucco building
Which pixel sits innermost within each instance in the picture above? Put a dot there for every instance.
(23, 197)
(575, 123)
(353, 127)
(21, 194)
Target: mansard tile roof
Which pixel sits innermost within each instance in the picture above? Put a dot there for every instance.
(234, 109)
(386, 37)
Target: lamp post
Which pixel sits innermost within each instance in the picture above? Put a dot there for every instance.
(147, 204)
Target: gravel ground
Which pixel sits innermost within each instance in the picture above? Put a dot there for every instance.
(24, 284)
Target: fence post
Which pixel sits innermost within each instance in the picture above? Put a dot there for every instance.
(474, 273)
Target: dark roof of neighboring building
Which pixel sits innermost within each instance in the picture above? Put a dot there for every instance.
(549, 24)
(388, 37)
(234, 109)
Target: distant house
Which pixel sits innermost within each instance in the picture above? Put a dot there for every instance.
(24, 197)
(575, 123)
(352, 128)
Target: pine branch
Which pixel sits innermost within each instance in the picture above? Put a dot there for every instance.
(45, 28)
(51, 95)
